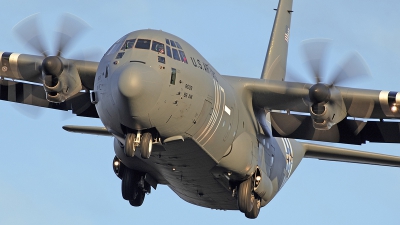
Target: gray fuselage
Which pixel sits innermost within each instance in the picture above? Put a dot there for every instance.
(143, 83)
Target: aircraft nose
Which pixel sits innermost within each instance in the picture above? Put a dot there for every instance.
(140, 87)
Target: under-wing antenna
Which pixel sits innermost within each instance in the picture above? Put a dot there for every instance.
(275, 60)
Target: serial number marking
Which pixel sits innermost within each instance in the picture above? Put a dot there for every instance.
(188, 86)
(187, 95)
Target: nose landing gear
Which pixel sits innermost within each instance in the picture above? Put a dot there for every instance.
(145, 142)
(130, 147)
(146, 145)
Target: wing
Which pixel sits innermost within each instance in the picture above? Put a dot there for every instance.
(369, 114)
(21, 82)
(346, 155)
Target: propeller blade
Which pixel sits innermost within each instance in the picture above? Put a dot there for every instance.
(29, 33)
(70, 28)
(298, 126)
(29, 111)
(353, 67)
(315, 52)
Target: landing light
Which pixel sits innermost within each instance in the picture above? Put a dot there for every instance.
(116, 163)
(394, 108)
(258, 178)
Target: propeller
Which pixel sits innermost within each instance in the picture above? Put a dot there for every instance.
(70, 28)
(315, 52)
(323, 93)
(67, 33)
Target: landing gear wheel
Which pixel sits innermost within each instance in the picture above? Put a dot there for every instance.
(129, 148)
(129, 185)
(138, 201)
(146, 145)
(255, 210)
(245, 196)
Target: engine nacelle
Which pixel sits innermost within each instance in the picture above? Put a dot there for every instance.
(61, 79)
(327, 114)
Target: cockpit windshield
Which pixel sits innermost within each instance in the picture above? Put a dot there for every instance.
(128, 44)
(143, 44)
(172, 48)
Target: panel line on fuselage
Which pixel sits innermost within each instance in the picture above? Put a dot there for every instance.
(219, 98)
(221, 93)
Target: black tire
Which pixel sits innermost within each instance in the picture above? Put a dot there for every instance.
(245, 197)
(129, 184)
(129, 147)
(138, 201)
(255, 210)
(146, 145)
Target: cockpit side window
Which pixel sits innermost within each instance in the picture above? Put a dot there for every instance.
(167, 41)
(176, 54)
(173, 43)
(169, 52)
(128, 44)
(183, 56)
(143, 44)
(158, 47)
(116, 46)
(178, 45)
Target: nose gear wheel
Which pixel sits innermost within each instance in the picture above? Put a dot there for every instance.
(146, 145)
(129, 148)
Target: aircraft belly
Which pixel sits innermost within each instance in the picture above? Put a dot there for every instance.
(187, 169)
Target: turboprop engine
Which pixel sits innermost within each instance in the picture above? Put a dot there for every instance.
(60, 79)
(326, 106)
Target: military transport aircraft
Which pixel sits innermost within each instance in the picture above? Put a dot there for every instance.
(217, 141)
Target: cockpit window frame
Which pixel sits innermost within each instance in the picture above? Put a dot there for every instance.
(128, 44)
(158, 47)
(172, 43)
(141, 44)
(169, 52)
(178, 45)
(183, 56)
(176, 55)
(116, 46)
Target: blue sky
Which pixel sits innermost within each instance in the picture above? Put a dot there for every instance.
(49, 176)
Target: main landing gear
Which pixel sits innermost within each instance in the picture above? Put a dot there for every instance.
(145, 142)
(248, 201)
(133, 186)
